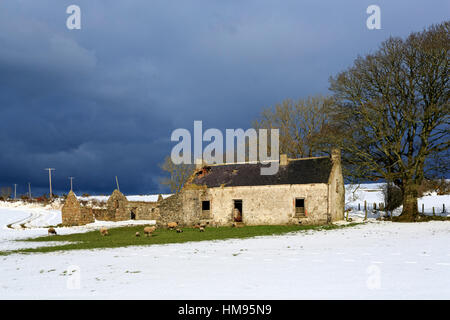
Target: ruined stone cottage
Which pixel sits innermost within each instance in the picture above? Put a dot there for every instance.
(304, 191)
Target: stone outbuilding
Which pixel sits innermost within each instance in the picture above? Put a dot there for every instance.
(117, 208)
(73, 214)
(304, 191)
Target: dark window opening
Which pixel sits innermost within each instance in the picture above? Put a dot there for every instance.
(300, 206)
(237, 211)
(133, 215)
(206, 205)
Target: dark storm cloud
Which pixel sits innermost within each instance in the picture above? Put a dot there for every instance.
(103, 101)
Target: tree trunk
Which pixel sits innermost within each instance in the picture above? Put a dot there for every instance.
(410, 210)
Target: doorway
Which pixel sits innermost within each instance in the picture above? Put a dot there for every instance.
(237, 211)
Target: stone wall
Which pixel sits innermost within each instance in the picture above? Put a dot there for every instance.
(261, 205)
(170, 210)
(270, 205)
(192, 208)
(104, 214)
(143, 210)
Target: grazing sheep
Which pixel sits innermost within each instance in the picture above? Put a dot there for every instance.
(172, 225)
(138, 234)
(149, 230)
(51, 230)
(179, 230)
(104, 231)
(202, 229)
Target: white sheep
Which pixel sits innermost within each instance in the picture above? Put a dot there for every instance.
(104, 231)
(149, 230)
(172, 225)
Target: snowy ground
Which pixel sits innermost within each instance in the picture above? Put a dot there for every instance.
(376, 260)
(20, 222)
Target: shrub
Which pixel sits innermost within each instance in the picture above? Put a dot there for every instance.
(42, 199)
(393, 196)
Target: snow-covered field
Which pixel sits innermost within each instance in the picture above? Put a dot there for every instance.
(26, 221)
(375, 260)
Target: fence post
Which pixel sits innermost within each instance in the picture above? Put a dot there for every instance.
(365, 210)
(443, 208)
(359, 206)
(433, 212)
(423, 208)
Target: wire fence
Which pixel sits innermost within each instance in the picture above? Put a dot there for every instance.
(441, 210)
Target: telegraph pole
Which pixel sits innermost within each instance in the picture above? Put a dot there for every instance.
(71, 184)
(29, 190)
(15, 189)
(50, 180)
(117, 182)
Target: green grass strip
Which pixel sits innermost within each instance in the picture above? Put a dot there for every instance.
(125, 236)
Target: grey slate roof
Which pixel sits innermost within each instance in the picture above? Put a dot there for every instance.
(306, 171)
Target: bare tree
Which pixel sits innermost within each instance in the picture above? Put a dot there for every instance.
(302, 125)
(5, 192)
(178, 174)
(392, 111)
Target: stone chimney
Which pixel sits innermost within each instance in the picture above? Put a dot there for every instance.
(336, 155)
(283, 159)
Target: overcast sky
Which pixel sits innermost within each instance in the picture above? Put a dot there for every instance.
(102, 101)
